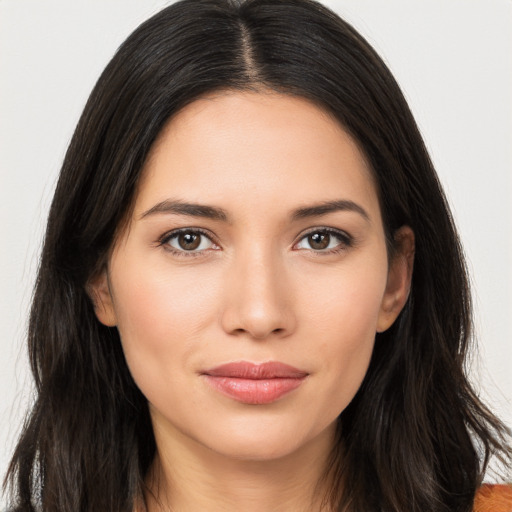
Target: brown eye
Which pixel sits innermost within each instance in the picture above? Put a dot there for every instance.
(319, 241)
(189, 241)
(325, 240)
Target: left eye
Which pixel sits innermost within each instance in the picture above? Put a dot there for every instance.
(189, 241)
(323, 240)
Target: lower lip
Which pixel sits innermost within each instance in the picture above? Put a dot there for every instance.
(254, 391)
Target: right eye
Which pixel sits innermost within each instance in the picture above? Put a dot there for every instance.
(188, 241)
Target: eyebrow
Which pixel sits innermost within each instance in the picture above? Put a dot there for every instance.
(190, 209)
(326, 207)
(215, 213)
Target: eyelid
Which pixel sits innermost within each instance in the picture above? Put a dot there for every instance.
(345, 238)
(173, 233)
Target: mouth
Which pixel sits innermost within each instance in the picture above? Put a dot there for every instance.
(253, 383)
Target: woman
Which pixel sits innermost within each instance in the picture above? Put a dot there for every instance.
(251, 294)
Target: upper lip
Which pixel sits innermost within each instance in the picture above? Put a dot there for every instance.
(256, 371)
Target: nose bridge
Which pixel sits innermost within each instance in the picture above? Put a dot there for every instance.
(258, 300)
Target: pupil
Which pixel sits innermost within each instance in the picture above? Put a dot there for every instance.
(189, 241)
(319, 240)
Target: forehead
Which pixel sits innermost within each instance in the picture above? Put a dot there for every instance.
(258, 148)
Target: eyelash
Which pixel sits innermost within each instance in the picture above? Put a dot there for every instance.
(167, 237)
(345, 241)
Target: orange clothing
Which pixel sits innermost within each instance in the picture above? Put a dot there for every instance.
(493, 498)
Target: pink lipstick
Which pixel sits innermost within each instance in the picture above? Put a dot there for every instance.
(255, 384)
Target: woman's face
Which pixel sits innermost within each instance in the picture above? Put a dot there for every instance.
(256, 237)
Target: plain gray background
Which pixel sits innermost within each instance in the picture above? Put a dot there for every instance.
(451, 57)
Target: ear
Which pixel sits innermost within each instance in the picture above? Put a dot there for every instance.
(399, 279)
(98, 289)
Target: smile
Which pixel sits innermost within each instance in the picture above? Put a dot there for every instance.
(255, 384)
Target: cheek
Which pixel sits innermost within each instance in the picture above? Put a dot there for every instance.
(161, 315)
(346, 303)
(343, 322)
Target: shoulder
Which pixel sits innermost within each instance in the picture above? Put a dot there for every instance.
(493, 498)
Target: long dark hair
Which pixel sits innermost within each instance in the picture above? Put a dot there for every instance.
(416, 437)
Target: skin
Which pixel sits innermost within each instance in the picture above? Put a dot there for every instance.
(254, 290)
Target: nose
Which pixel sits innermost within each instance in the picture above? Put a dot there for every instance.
(258, 300)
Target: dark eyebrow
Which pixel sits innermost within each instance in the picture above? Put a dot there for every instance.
(191, 209)
(215, 213)
(329, 207)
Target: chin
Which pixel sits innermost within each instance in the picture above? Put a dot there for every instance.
(263, 441)
(250, 450)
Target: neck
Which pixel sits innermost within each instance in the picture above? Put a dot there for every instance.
(188, 477)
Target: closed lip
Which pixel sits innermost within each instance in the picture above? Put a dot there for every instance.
(256, 371)
(255, 383)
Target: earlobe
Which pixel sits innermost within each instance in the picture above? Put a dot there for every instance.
(399, 279)
(99, 292)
